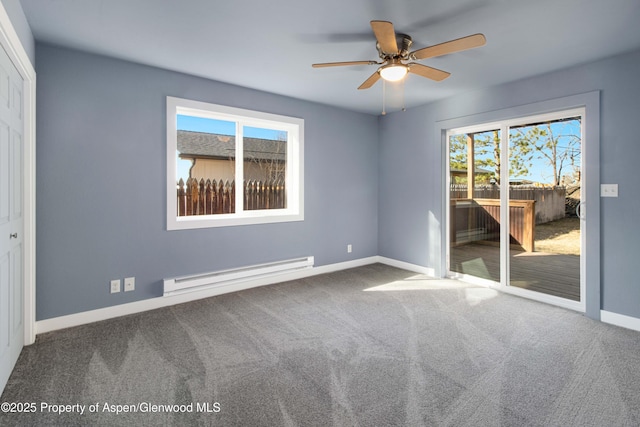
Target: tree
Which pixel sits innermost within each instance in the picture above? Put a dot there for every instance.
(265, 159)
(554, 143)
(486, 146)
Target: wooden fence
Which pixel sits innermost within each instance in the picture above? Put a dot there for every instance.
(550, 201)
(219, 197)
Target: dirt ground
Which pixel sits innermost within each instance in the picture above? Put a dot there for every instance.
(559, 237)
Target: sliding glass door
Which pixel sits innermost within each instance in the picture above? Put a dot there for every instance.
(474, 203)
(514, 205)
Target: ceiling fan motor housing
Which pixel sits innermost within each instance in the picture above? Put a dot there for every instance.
(404, 45)
(403, 41)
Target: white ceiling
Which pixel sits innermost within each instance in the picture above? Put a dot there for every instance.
(270, 45)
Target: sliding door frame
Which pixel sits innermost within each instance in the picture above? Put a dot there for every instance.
(589, 104)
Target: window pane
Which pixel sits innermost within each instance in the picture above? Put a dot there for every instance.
(474, 164)
(545, 170)
(265, 165)
(206, 152)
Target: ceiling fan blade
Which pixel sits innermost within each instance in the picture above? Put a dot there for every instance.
(340, 64)
(386, 36)
(452, 46)
(428, 72)
(370, 81)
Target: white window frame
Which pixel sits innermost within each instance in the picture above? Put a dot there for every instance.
(294, 127)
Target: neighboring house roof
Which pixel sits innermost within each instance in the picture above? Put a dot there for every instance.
(202, 145)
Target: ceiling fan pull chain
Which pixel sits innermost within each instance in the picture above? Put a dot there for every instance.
(384, 92)
(403, 106)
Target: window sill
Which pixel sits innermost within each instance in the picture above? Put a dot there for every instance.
(230, 220)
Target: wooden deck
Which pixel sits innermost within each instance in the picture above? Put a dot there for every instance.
(551, 274)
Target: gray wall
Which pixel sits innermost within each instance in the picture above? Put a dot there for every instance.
(410, 221)
(20, 24)
(373, 182)
(101, 184)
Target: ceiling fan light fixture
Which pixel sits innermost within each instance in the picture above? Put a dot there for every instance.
(393, 72)
(393, 51)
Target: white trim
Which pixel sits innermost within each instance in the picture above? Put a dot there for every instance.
(11, 43)
(620, 320)
(339, 266)
(294, 167)
(408, 266)
(97, 315)
(505, 219)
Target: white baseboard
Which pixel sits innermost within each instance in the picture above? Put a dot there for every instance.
(407, 266)
(620, 320)
(97, 315)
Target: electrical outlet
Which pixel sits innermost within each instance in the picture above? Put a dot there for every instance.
(349, 249)
(608, 190)
(115, 286)
(129, 284)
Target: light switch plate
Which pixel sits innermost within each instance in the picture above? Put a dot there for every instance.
(608, 190)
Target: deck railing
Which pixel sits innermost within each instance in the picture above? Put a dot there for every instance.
(478, 220)
(550, 201)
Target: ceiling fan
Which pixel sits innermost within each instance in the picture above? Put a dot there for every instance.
(393, 49)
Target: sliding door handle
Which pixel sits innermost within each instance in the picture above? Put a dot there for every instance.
(580, 211)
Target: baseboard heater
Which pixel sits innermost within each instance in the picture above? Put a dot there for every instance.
(234, 276)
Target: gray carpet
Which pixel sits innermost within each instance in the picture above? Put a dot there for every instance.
(371, 346)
